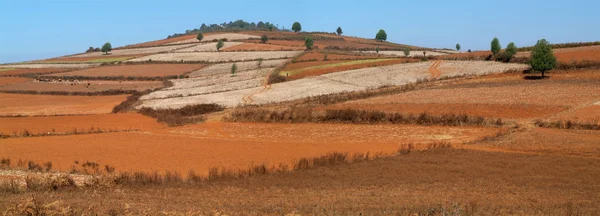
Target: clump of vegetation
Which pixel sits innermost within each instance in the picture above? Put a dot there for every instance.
(236, 26)
(234, 69)
(381, 35)
(508, 54)
(259, 63)
(264, 39)
(220, 45)
(339, 31)
(457, 47)
(200, 36)
(308, 42)
(495, 46)
(186, 115)
(107, 47)
(568, 124)
(377, 49)
(406, 51)
(542, 57)
(296, 27)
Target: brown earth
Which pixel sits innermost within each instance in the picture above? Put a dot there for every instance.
(318, 72)
(34, 71)
(230, 145)
(87, 59)
(503, 96)
(158, 42)
(261, 47)
(81, 123)
(586, 114)
(477, 55)
(568, 55)
(25, 104)
(12, 80)
(138, 70)
(94, 86)
(319, 56)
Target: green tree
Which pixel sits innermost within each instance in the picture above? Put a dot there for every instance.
(219, 45)
(339, 31)
(406, 51)
(457, 47)
(233, 69)
(511, 50)
(542, 57)
(381, 35)
(264, 39)
(308, 42)
(200, 36)
(377, 49)
(107, 47)
(270, 28)
(496, 46)
(296, 27)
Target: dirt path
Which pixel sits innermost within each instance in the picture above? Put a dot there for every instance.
(266, 86)
(435, 72)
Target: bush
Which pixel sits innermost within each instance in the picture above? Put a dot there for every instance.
(200, 36)
(296, 27)
(457, 47)
(264, 39)
(182, 116)
(495, 46)
(542, 57)
(339, 31)
(233, 69)
(381, 35)
(107, 47)
(308, 42)
(219, 45)
(406, 51)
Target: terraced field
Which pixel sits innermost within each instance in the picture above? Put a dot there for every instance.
(134, 51)
(217, 36)
(225, 68)
(141, 70)
(217, 56)
(25, 104)
(208, 47)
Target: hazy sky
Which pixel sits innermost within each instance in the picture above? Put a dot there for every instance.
(42, 29)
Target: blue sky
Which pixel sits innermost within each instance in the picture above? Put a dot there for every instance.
(42, 29)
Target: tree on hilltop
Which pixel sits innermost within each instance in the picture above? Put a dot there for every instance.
(542, 57)
(339, 31)
(296, 27)
(107, 47)
(381, 35)
(457, 47)
(496, 46)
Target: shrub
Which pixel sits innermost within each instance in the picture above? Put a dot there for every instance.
(495, 46)
(182, 116)
(457, 47)
(377, 49)
(381, 35)
(264, 39)
(219, 45)
(296, 27)
(339, 31)
(233, 69)
(542, 57)
(406, 51)
(107, 47)
(308, 42)
(200, 36)
(259, 62)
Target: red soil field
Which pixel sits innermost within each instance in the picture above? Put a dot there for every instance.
(95, 86)
(83, 123)
(25, 104)
(568, 55)
(288, 43)
(229, 145)
(466, 55)
(138, 70)
(158, 42)
(588, 114)
(502, 96)
(261, 47)
(12, 80)
(348, 67)
(86, 59)
(299, 65)
(34, 71)
(319, 56)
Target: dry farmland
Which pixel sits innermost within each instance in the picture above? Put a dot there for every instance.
(568, 55)
(12, 80)
(315, 68)
(261, 47)
(503, 96)
(23, 71)
(94, 59)
(47, 66)
(24, 104)
(217, 36)
(135, 51)
(79, 123)
(225, 68)
(352, 80)
(84, 86)
(412, 53)
(142, 70)
(208, 47)
(216, 56)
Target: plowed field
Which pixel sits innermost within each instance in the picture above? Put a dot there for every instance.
(24, 104)
(141, 70)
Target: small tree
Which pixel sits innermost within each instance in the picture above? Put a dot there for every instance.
(264, 39)
(381, 35)
(107, 47)
(496, 46)
(219, 45)
(377, 49)
(296, 27)
(511, 50)
(542, 57)
(233, 69)
(457, 47)
(406, 51)
(308, 42)
(200, 36)
(259, 63)
(270, 28)
(339, 31)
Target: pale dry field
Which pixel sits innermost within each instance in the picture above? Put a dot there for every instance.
(413, 53)
(136, 51)
(352, 80)
(217, 56)
(225, 68)
(229, 36)
(37, 66)
(208, 47)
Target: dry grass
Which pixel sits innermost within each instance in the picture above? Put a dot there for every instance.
(185, 115)
(568, 124)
